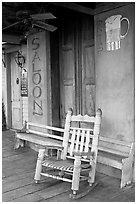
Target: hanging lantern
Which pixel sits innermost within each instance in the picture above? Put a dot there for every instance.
(20, 59)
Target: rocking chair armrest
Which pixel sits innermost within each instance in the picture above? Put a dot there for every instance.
(84, 153)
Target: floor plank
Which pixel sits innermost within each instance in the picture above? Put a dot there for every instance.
(18, 168)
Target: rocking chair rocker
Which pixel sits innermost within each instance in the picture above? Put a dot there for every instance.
(77, 156)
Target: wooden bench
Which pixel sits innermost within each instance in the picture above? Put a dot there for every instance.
(112, 153)
(117, 154)
(38, 134)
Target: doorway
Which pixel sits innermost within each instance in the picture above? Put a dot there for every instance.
(76, 64)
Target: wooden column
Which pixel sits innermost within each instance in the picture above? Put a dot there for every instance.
(39, 98)
(8, 89)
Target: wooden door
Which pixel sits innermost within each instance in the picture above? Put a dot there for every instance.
(15, 94)
(88, 67)
(67, 70)
(77, 74)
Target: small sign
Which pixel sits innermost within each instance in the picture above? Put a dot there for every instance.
(24, 83)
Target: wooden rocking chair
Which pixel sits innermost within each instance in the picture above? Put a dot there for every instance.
(77, 156)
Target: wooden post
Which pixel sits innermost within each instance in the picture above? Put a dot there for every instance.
(127, 168)
(76, 174)
(39, 79)
(8, 90)
(66, 134)
(39, 165)
(93, 158)
(18, 142)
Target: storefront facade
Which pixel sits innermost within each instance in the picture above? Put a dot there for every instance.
(87, 63)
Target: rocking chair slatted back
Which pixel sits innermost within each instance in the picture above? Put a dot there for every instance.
(85, 118)
(78, 139)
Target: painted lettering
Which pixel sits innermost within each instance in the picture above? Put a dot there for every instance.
(35, 57)
(34, 69)
(37, 91)
(36, 78)
(37, 107)
(37, 44)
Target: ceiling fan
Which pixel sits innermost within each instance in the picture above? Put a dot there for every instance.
(30, 21)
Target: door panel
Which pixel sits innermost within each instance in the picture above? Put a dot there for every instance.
(89, 106)
(67, 71)
(68, 98)
(15, 94)
(68, 82)
(68, 79)
(68, 63)
(88, 80)
(89, 64)
(88, 67)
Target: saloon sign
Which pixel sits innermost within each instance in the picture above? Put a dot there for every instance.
(36, 78)
(38, 83)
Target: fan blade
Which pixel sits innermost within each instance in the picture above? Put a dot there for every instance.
(42, 16)
(44, 26)
(12, 25)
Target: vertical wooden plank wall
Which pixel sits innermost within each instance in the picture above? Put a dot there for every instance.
(39, 98)
(55, 82)
(3, 81)
(8, 88)
(25, 99)
(4, 86)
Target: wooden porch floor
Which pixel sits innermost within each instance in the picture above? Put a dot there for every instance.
(18, 169)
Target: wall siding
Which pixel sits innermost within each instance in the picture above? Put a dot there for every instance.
(25, 99)
(4, 89)
(115, 78)
(25, 109)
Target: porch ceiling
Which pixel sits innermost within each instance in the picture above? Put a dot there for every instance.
(59, 9)
(10, 9)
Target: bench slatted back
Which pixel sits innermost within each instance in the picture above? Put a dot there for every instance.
(114, 146)
(45, 131)
(106, 144)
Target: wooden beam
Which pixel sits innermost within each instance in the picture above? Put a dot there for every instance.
(11, 48)
(13, 39)
(82, 9)
(109, 6)
(75, 7)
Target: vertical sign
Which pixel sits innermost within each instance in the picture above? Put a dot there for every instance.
(39, 80)
(24, 83)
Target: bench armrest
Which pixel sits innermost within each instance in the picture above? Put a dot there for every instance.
(54, 147)
(21, 131)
